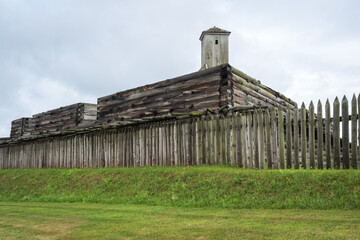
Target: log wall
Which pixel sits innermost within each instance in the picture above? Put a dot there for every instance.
(207, 89)
(55, 120)
(20, 127)
(249, 91)
(190, 93)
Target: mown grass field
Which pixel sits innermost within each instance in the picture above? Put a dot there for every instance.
(208, 202)
(26, 220)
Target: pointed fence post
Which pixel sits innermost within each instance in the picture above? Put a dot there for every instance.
(353, 133)
(303, 135)
(268, 139)
(244, 140)
(250, 142)
(193, 142)
(210, 126)
(189, 144)
(261, 140)
(311, 136)
(296, 138)
(223, 139)
(288, 138)
(345, 132)
(204, 158)
(239, 154)
(320, 134)
(233, 140)
(327, 135)
(256, 139)
(199, 141)
(336, 133)
(227, 128)
(274, 131)
(217, 136)
(281, 137)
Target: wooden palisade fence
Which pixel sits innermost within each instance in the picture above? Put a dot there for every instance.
(255, 138)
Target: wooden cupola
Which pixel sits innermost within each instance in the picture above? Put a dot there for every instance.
(214, 47)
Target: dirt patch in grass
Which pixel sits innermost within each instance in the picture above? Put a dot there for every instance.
(37, 227)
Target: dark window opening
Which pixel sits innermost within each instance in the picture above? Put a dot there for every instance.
(216, 41)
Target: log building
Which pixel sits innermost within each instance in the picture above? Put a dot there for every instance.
(74, 116)
(216, 85)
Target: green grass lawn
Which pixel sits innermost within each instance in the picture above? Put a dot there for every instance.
(28, 220)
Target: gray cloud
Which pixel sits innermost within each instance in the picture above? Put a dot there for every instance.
(55, 53)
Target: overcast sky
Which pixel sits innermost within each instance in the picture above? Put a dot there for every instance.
(59, 52)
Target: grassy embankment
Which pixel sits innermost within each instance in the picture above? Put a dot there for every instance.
(208, 186)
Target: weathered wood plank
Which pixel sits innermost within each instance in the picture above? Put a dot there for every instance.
(354, 132)
(238, 131)
(168, 144)
(312, 135)
(244, 139)
(250, 140)
(203, 138)
(193, 141)
(223, 140)
(151, 147)
(148, 153)
(281, 138)
(233, 140)
(118, 149)
(320, 134)
(207, 141)
(181, 145)
(261, 140)
(228, 139)
(199, 142)
(288, 138)
(303, 136)
(217, 135)
(327, 135)
(336, 133)
(256, 139)
(163, 143)
(189, 148)
(273, 138)
(173, 151)
(156, 145)
(268, 139)
(296, 138)
(211, 144)
(345, 133)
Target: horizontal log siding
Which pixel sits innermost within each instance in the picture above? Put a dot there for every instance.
(55, 120)
(251, 92)
(20, 127)
(190, 93)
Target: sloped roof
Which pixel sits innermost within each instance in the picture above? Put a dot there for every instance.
(214, 30)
